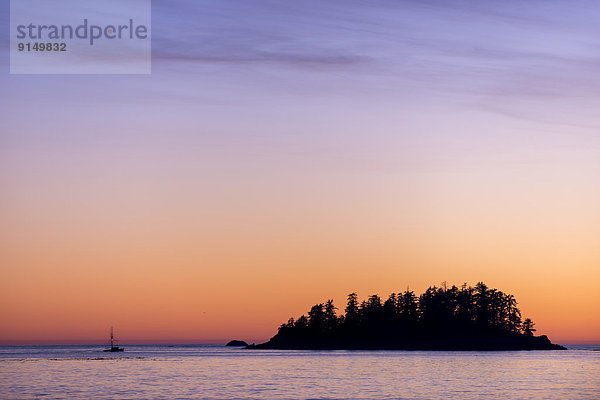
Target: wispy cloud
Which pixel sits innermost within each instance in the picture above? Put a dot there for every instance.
(496, 54)
(532, 49)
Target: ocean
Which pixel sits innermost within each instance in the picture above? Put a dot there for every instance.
(219, 372)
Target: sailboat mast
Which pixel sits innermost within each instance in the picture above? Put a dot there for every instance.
(112, 342)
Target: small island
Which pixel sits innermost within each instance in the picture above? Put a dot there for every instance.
(442, 318)
(236, 343)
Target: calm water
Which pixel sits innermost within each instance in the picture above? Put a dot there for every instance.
(215, 372)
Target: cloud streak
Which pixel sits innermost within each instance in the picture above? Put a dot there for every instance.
(527, 50)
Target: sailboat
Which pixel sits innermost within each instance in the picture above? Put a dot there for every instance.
(112, 343)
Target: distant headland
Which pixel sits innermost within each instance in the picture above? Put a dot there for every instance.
(442, 318)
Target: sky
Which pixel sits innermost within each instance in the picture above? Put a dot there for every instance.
(284, 153)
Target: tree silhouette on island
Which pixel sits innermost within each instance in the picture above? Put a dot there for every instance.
(465, 318)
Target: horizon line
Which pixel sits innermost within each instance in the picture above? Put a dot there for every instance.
(206, 343)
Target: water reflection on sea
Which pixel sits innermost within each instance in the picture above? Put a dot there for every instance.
(217, 372)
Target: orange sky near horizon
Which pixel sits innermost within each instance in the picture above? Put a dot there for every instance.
(215, 266)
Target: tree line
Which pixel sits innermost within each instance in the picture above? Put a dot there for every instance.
(438, 310)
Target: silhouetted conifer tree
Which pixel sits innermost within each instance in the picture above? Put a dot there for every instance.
(528, 325)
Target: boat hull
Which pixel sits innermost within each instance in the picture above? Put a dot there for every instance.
(114, 349)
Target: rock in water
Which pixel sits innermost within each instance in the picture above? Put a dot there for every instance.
(237, 343)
